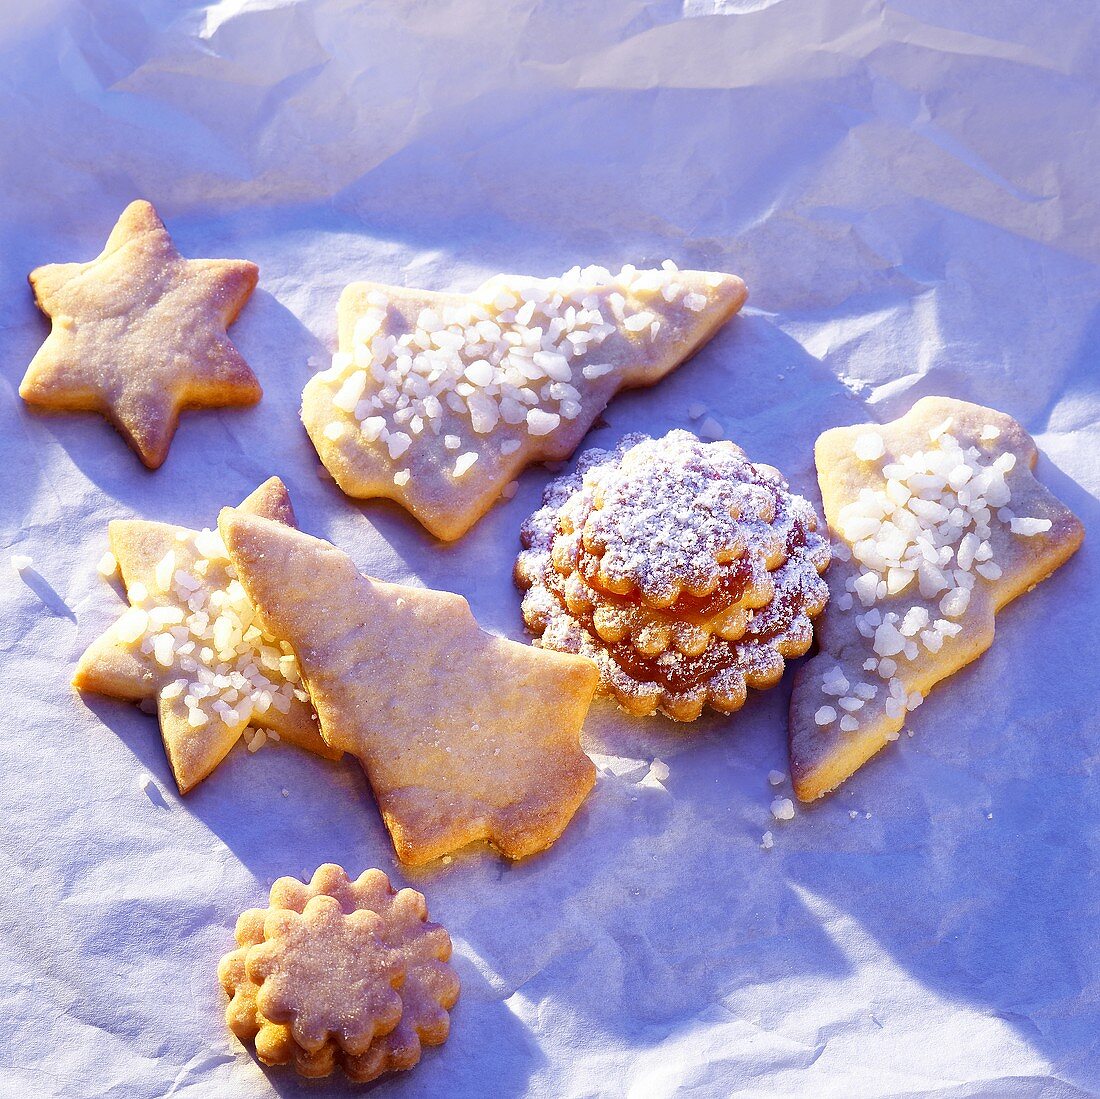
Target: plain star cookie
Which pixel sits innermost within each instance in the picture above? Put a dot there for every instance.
(937, 522)
(191, 642)
(402, 938)
(464, 736)
(438, 401)
(139, 333)
(686, 572)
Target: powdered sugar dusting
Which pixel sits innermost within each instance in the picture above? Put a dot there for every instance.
(672, 523)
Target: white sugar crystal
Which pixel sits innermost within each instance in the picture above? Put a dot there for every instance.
(889, 641)
(464, 462)
(1030, 527)
(834, 682)
(887, 668)
(845, 601)
(596, 370)
(696, 410)
(869, 446)
(335, 431)
(866, 587)
(848, 724)
(162, 574)
(990, 570)
(348, 395)
(480, 372)
(783, 809)
(767, 841)
(825, 715)
(775, 778)
(695, 302)
(540, 422)
(989, 433)
(402, 477)
(851, 704)
(132, 625)
(398, 443)
(916, 618)
(711, 430)
(658, 769)
(372, 427)
(955, 602)
(107, 566)
(452, 442)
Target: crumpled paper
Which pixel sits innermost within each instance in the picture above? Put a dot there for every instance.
(908, 188)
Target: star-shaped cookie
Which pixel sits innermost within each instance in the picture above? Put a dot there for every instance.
(938, 521)
(438, 401)
(191, 641)
(139, 333)
(463, 735)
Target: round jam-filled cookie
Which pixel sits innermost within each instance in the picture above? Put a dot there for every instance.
(684, 570)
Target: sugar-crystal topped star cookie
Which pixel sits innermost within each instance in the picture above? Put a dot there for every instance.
(139, 333)
(938, 522)
(463, 735)
(191, 641)
(438, 400)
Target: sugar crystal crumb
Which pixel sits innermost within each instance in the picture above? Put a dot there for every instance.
(711, 430)
(767, 841)
(783, 809)
(21, 562)
(869, 446)
(776, 777)
(464, 462)
(1029, 527)
(696, 410)
(107, 566)
(659, 770)
(989, 433)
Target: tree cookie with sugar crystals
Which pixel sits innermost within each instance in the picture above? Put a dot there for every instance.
(313, 1018)
(464, 736)
(438, 401)
(139, 333)
(938, 522)
(687, 572)
(191, 642)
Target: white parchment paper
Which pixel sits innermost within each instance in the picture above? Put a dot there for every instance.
(909, 189)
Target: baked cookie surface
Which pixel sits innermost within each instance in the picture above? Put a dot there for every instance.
(437, 400)
(938, 522)
(340, 972)
(139, 333)
(687, 572)
(464, 736)
(190, 643)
